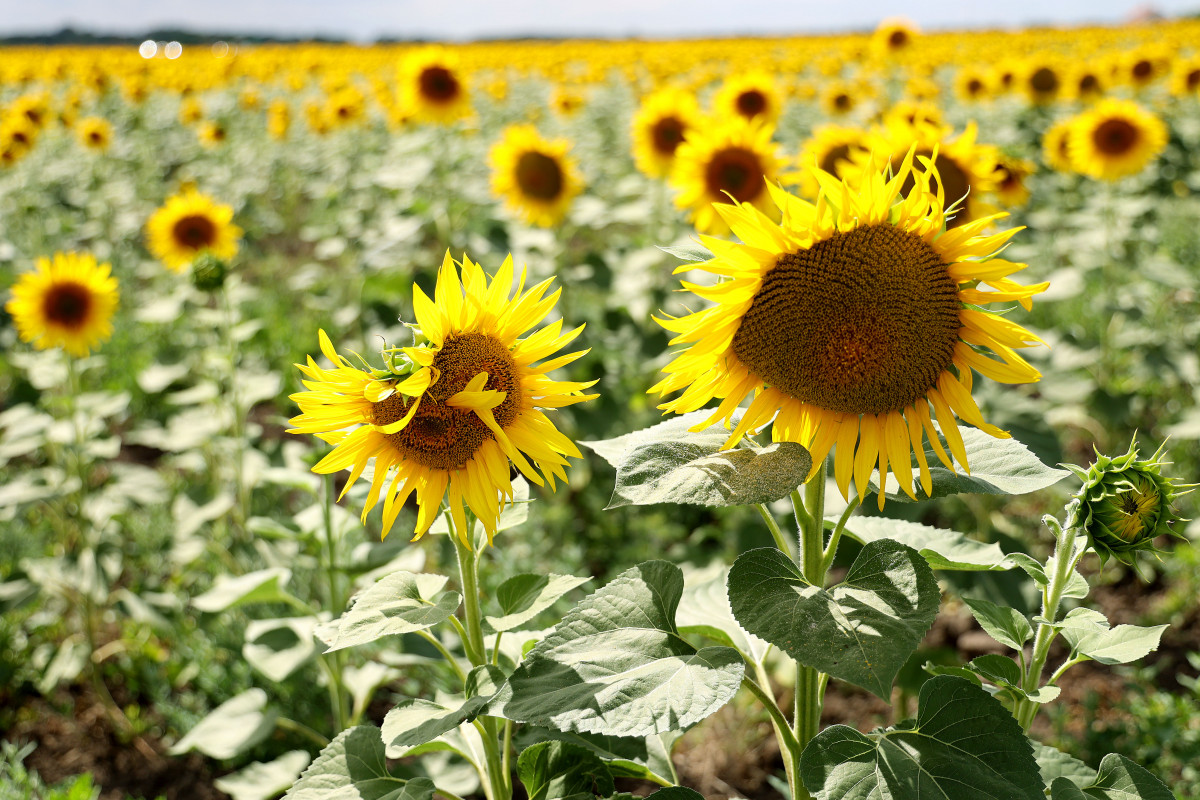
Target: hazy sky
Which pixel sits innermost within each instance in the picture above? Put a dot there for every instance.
(465, 19)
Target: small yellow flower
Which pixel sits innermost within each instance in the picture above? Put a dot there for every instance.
(67, 302)
(189, 224)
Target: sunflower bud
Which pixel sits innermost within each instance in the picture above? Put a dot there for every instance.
(208, 272)
(1126, 503)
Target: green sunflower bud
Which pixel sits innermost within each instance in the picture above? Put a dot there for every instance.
(208, 272)
(1126, 503)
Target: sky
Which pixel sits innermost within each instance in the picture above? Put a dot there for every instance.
(366, 20)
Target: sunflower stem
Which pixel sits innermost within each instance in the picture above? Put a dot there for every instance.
(1065, 558)
(336, 604)
(776, 532)
(240, 510)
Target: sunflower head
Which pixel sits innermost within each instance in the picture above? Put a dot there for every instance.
(1055, 153)
(1042, 82)
(1126, 503)
(894, 38)
(95, 133)
(732, 159)
(212, 133)
(446, 417)
(750, 95)
(66, 301)
(831, 148)
(433, 86)
(853, 322)
(279, 119)
(662, 122)
(1114, 139)
(1011, 176)
(188, 225)
(535, 176)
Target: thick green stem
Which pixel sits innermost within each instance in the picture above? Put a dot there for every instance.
(1065, 559)
(337, 692)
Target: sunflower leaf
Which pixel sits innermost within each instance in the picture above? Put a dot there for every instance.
(617, 664)
(998, 466)
(402, 602)
(672, 430)
(963, 745)
(943, 549)
(861, 631)
(522, 597)
(353, 767)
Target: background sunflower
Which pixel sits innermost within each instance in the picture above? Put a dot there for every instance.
(190, 224)
(66, 301)
(535, 176)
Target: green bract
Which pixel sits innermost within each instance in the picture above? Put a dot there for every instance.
(1126, 503)
(208, 272)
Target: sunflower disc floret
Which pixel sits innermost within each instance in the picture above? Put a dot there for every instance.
(854, 323)
(1126, 503)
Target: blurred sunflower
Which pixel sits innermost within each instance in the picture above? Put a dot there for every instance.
(463, 404)
(95, 133)
(433, 86)
(1011, 176)
(1085, 83)
(752, 95)
(916, 112)
(67, 302)
(829, 148)
(535, 176)
(1042, 82)
(212, 133)
(189, 224)
(1143, 66)
(17, 133)
(972, 84)
(848, 321)
(1185, 77)
(1114, 139)
(894, 37)
(1055, 154)
(279, 119)
(190, 111)
(732, 159)
(567, 100)
(839, 98)
(660, 125)
(345, 107)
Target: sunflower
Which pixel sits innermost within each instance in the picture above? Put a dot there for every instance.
(1054, 146)
(464, 403)
(1143, 67)
(973, 84)
(432, 85)
(95, 133)
(191, 111)
(1114, 139)
(1042, 82)
(830, 147)
(894, 37)
(190, 224)
(17, 135)
(848, 321)
(734, 159)
(752, 95)
(1011, 176)
(1085, 83)
(212, 133)
(345, 107)
(839, 98)
(965, 168)
(534, 175)
(1185, 77)
(567, 99)
(660, 125)
(66, 302)
(279, 119)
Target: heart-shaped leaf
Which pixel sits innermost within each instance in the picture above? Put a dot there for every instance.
(523, 597)
(353, 767)
(231, 728)
(1006, 625)
(861, 631)
(263, 586)
(617, 665)
(943, 549)
(402, 602)
(963, 745)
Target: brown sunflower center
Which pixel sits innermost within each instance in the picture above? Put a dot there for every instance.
(438, 84)
(897, 39)
(96, 137)
(1115, 137)
(441, 436)
(863, 322)
(195, 232)
(1089, 84)
(950, 176)
(1143, 69)
(843, 102)
(1192, 80)
(1044, 80)
(667, 135)
(751, 103)
(737, 171)
(829, 162)
(539, 176)
(974, 87)
(67, 304)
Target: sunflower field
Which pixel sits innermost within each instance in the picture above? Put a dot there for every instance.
(775, 417)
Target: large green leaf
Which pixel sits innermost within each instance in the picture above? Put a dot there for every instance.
(231, 728)
(1118, 645)
(278, 647)
(672, 430)
(694, 469)
(557, 770)
(861, 631)
(414, 721)
(998, 466)
(353, 767)
(643, 758)
(263, 586)
(705, 610)
(963, 745)
(943, 549)
(617, 665)
(402, 602)
(1117, 779)
(522, 597)
(1054, 763)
